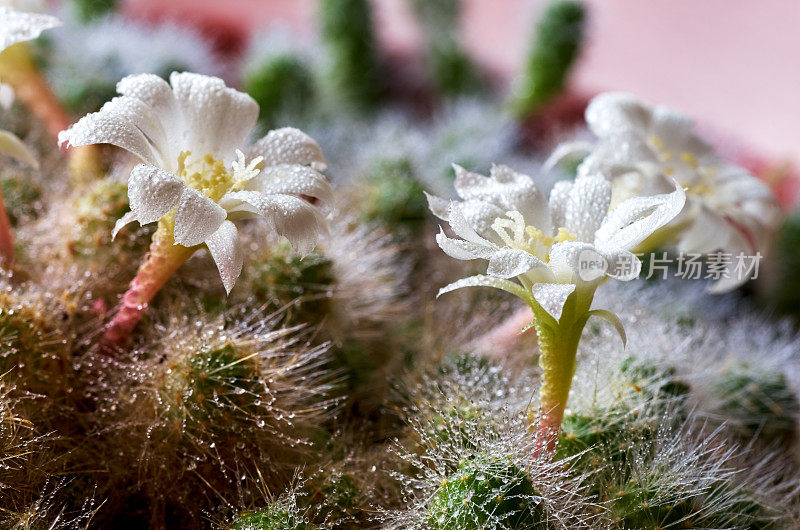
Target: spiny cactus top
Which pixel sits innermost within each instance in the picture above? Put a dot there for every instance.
(195, 179)
(18, 23)
(643, 148)
(506, 219)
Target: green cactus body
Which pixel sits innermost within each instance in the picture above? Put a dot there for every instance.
(757, 402)
(88, 10)
(490, 493)
(394, 195)
(274, 518)
(20, 196)
(555, 48)
(282, 84)
(354, 77)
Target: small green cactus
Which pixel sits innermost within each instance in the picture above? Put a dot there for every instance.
(785, 291)
(96, 211)
(556, 46)
(83, 94)
(210, 387)
(32, 347)
(282, 84)
(394, 196)
(20, 196)
(756, 402)
(281, 514)
(486, 493)
(88, 10)
(302, 285)
(354, 76)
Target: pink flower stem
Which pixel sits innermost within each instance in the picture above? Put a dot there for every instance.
(6, 239)
(160, 263)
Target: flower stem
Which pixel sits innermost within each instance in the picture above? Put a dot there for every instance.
(6, 239)
(557, 357)
(18, 69)
(160, 263)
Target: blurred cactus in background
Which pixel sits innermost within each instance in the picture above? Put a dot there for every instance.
(555, 47)
(282, 85)
(88, 10)
(354, 75)
(450, 67)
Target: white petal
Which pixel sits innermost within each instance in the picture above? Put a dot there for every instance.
(119, 122)
(613, 112)
(123, 221)
(485, 281)
(559, 196)
(619, 153)
(6, 95)
(438, 206)
(461, 226)
(622, 265)
(218, 118)
(152, 192)
(577, 149)
(196, 218)
(289, 146)
(293, 180)
(14, 147)
(587, 206)
(634, 220)
(463, 250)
(18, 26)
(224, 247)
(675, 130)
(292, 217)
(552, 296)
(510, 262)
(574, 261)
(480, 215)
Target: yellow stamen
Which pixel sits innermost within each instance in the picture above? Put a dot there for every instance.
(690, 159)
(656, 142)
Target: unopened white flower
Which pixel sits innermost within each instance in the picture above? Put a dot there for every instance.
(187, 134)
(642, 149)
(551, 247)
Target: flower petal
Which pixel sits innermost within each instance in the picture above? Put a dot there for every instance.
(574, 261)
(294, 180)
(587, 206)
(559, 196)
(622, 265)
(15, 148)
(461, 226)
(123, 221)
(552, 296)
(196, 218)
(463, 250)
(510, 262)
(613, 112)
(438, 206)
(567, 150)
(292, 217)
(218, 118)
(289, 146)
(19, 26)
(152, 192)
(485, 281)
(121, 122)
(634, 220)
(224, 247)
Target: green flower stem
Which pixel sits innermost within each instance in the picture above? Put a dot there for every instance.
(558, 348)
(6, 239)
(164, 258)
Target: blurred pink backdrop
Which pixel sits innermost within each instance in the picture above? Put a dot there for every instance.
(734, 64)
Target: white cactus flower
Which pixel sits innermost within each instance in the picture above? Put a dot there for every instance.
(18, 26)
(194, 177)
(20, 22)
(643, 148)
(552, 248)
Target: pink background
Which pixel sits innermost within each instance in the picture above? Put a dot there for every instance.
(734, 64)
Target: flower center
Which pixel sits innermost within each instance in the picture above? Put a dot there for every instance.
(670, 158)
(212, 178)
(516, 234)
